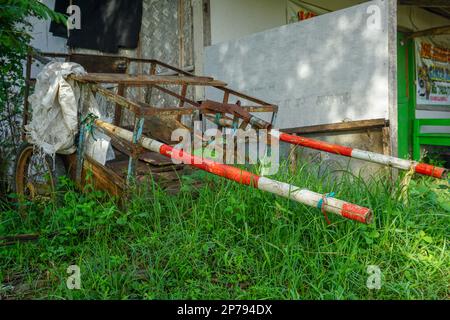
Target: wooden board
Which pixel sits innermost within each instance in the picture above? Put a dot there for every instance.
(162, 127)
(155, 159)
(103, 178)
(340, 127)
(143, 168)
(146, 80)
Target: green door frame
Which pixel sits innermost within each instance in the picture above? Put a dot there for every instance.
(406, 95)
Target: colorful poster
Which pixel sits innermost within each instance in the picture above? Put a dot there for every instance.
(433, 73)
(297, 11)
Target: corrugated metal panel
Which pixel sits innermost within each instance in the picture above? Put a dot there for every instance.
(159, 39)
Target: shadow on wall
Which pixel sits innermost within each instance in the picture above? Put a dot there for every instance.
(328, 69)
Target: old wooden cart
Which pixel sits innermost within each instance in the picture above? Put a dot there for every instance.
(151, 103)
(142, 140)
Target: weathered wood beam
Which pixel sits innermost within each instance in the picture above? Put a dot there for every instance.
(117, 99)
(426, 3)
(146, 80)
(340, 127)
(430, 32)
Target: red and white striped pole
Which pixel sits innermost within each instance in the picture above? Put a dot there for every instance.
(420, 168)
(327, 204)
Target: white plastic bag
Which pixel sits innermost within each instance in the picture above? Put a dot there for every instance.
(54, 105)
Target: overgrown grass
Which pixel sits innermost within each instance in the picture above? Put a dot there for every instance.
(226, 241)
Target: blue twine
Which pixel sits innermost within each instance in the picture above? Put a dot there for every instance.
(328, 195)
(218, 117)
(88, 121)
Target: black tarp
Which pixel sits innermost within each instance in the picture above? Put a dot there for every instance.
(106, 25)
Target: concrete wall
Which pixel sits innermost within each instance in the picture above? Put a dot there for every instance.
(43, 40)
(324, 70)
(231, 19)
(371, 139)
(234, 19)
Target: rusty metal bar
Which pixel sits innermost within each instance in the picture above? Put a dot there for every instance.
(152, 72)
(183, 95)
(176, 95)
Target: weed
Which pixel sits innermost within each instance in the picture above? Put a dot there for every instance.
(227, 241)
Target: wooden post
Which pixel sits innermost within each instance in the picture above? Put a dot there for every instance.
(27, 93)
(293, 157)
(118, 108)
(137, 134)
(385, 137)
(199, 43)
(181, 33)
(392, 48)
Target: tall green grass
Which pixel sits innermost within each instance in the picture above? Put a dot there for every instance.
(227, 241)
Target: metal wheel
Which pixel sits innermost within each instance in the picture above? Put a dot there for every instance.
(35, 175)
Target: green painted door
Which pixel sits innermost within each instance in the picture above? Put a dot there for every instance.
(406, 95)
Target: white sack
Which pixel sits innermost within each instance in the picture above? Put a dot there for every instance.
(54, 106)
(97, 144)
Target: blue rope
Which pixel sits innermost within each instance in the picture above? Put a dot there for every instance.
(328, 195)
(218, 117)
(235, 126)
(88, 121)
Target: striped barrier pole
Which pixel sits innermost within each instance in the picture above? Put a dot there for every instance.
(307, 197)
(403, 164)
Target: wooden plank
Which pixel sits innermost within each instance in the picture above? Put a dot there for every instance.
(103, 178)
(429, 32)
(146, 80)
(426, 3)
(170, 173)
(113, 97)
(162, 127)
(155, 159)
(266, 108)
(140, 108)
(340, 127)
